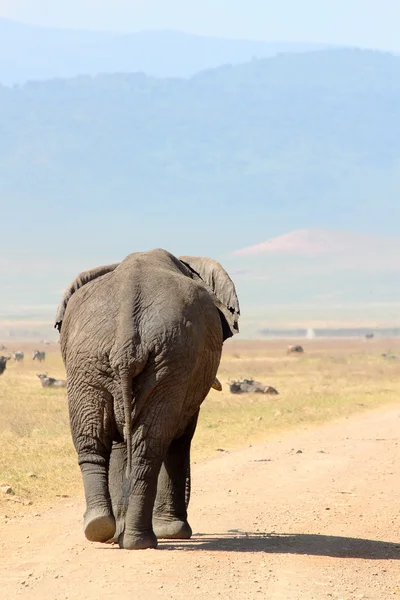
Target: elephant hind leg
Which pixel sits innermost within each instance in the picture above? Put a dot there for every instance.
(92, 423)
(116, 482)
(153, 433)
(170, 510)
(99, 521)
(138, 533)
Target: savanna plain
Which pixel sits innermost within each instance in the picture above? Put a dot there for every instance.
(333, 378)
(294, 496)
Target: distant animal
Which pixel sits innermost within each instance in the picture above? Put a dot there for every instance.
(3, 363)
(3, 347)
(45, 342)
(47, 381)
(369, 336)
(38, 355)
(389, 356)
(297, 348)
(18, 356)
(249, 386)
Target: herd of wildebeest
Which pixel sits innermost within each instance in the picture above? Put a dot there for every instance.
(239, 386)
(242, 386)
(38, 355)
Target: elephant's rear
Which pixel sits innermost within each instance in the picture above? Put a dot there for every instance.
(141, 342)
(193, 347)
(151, 322)
(174, 350)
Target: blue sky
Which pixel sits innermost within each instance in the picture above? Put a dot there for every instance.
(368, 23)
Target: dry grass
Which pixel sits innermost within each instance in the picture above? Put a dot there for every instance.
(332, 379)
(34, 431)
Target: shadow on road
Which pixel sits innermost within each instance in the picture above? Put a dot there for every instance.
(282, 543)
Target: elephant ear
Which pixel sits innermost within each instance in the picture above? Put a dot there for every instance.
(82, 279)
(221, 287)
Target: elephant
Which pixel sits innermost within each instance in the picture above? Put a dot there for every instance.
(141, 341)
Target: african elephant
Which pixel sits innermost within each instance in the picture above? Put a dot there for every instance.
(141, 342)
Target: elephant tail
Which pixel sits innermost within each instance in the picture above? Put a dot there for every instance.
(127, 372)
(126, 387)
(187, 484)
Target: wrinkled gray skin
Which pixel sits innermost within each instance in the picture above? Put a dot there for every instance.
(141, 342)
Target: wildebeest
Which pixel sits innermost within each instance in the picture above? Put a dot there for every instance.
(18, 355)
(39, 355)
(249, 386)
(47, 381)
(295, 348)
(3, 363)
(369, 336)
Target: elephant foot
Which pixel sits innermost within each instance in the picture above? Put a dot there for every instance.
(99, 526)
(138, 541)
(172, 530)
(119, 528)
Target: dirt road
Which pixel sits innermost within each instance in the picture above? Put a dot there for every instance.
(310, 515)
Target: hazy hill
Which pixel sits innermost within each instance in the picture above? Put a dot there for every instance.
(323, 266)
(319, 278)
(28, 52)
(342, 250)
(307, 140)
(94, 168)
(311, 278)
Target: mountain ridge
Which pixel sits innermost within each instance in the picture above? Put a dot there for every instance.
(39, 53)
(94, 168)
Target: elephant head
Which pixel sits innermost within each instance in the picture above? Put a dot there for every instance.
(221, 287)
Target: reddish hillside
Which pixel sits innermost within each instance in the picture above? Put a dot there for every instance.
(347, 249)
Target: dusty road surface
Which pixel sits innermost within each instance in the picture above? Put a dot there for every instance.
(309, 515)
